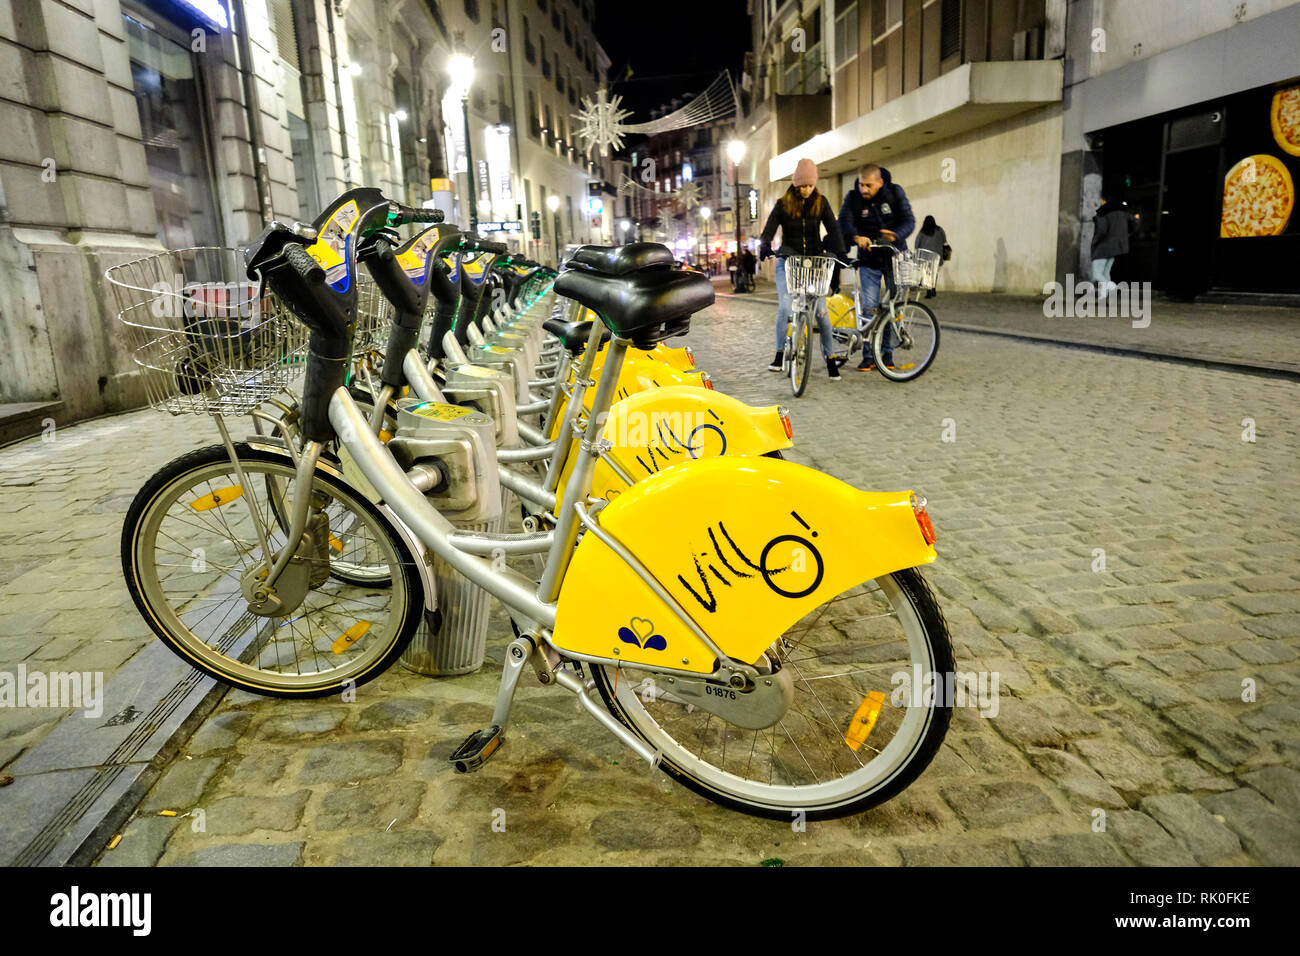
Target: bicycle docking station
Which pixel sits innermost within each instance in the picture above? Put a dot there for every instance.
(453, 451)
(492, 392)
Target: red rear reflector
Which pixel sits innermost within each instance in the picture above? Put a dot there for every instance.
(923, 520)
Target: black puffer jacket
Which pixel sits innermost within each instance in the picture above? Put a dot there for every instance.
(803, 234)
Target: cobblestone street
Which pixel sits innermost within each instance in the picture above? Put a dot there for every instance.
(1109, 545)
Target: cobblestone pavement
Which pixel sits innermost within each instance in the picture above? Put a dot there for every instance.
(1262, 336)
(1122, 689)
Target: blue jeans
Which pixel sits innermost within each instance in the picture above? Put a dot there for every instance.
(783, 314)
(869, 298)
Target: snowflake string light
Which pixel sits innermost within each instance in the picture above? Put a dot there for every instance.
(689, 194)
(600, 122)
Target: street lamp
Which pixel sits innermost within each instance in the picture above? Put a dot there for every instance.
(553, 204)
(460, 68)
(623, 227)
(735, 153)
(705, 213)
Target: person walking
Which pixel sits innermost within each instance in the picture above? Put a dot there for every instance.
(876, 211)
(748, 266)
(1110, 234)
(801, 214)
(932, 238)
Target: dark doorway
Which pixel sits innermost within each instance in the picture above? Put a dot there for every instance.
(1189, 221)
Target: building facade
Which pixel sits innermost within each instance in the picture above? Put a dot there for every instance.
(132, 126)
(1007, 119)
(954, 97)
(1174, 108)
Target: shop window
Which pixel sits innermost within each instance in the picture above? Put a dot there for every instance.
(174, 133)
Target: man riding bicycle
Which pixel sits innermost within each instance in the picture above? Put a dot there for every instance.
(876, 211)
(800, 214)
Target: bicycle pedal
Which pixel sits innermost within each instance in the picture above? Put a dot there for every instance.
(476, 749)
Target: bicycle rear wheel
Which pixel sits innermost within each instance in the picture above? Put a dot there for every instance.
(188, 537)
(858, 650)
(915, 342)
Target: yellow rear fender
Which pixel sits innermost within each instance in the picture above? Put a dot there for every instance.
(679, 359)
(662, 427)
(746, 546)
(840, 309)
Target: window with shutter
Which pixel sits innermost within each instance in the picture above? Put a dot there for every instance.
(949, 29)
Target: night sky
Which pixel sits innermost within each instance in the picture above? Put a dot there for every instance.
(673, 46)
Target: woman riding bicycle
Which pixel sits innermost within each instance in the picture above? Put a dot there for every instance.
(801, 214)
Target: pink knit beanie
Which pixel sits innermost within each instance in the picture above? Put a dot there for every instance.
(805, 173)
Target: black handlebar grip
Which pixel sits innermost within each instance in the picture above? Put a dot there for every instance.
(308, 269)
(407, 214)
(487, 245)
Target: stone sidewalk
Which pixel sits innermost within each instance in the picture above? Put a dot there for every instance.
(1109, 545)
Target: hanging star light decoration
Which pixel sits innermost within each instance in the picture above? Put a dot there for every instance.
(600, 121)
(689, 194)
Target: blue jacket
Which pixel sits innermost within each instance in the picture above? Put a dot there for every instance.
(887, 209)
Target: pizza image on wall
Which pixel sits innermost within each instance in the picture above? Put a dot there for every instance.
(1285, 118)
(1258, 196)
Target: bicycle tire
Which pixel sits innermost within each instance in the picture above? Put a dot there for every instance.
(802, 359)
(922, 313)
(916, 594)
(143, 521)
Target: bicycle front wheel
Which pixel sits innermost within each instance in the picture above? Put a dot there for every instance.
(799, 365)
(915, 340)
(858, 651)
(190, 535)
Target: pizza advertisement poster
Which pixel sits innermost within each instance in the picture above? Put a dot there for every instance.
(1263, 153)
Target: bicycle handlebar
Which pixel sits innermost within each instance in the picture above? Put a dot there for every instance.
(400, 215)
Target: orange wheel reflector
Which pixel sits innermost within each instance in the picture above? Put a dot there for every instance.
(864, 719)
(217, 498)
(350, 637)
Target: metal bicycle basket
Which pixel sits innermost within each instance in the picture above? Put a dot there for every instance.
(916, 270)
(374, 315)
(809, 275)
(207, 339)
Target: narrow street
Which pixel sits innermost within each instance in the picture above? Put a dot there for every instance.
(1110, 547)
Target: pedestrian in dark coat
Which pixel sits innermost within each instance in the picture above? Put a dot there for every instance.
(932, 238)
(1110, 234)
(876, 211)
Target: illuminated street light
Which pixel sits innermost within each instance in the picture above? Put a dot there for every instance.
(460, 69)
(735, 153)
(553, 204)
